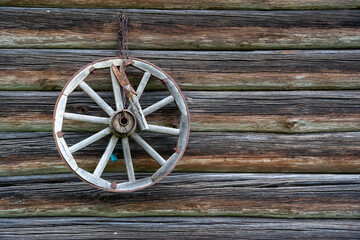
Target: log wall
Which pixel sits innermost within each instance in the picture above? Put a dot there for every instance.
(274, 103)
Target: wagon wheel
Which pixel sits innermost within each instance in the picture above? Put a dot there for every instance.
(121, 123)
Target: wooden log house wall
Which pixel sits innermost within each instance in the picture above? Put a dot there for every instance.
(274, 98)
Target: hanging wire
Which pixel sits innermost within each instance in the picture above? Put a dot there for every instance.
(122, 44)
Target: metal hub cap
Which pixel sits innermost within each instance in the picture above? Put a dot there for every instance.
(123, 123)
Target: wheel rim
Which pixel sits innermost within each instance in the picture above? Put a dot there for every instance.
(111, 126)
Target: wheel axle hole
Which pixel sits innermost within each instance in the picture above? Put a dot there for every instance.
(124, 121)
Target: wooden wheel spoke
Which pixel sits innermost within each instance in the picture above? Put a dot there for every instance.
(148, 149)
(87, 141)
(106, 156)
(127, 158)
(96, 98)
(86, 118)
(158, 105)
(117, 91)
(142, 84)
(144, 80)
(162, 129)
(138, 112)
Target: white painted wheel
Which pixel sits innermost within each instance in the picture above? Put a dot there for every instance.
(120, 125)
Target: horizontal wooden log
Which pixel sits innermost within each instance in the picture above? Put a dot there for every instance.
(46, 69)
(200, 4)
(177, 228)
(265, 195)
(153, 29)
(35, 153)
(271, 111)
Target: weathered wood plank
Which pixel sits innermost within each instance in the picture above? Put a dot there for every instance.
(45, 69)
(35, 153)
(266, 195)
(270, 111)
(199, 4)
(177, 228)
(153, 29)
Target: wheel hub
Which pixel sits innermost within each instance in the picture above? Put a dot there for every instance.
(123, 123)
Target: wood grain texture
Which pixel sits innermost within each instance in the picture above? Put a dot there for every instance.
(249, 135)
(199, 4)
(269, 111)
(35, 153)
(154, 29)
(45, 69)
(256, 195)
(177, 228)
